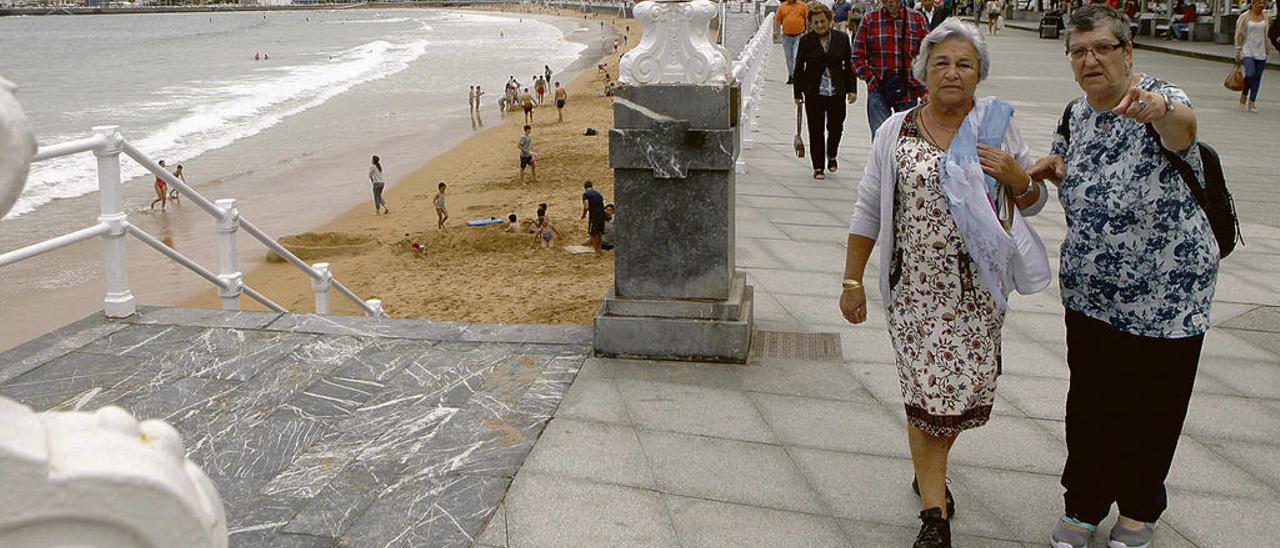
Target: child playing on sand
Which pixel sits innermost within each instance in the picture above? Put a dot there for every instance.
(544, 230)
(442, 214)
(177, 174)
(513, 224)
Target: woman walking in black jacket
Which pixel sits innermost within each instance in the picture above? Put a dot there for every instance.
(823, 81)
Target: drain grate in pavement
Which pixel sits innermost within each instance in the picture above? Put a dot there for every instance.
(787, 345)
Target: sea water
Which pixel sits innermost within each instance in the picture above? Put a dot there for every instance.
(289, 137)
(183, 85)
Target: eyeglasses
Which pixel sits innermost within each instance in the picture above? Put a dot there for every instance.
(1098, 51)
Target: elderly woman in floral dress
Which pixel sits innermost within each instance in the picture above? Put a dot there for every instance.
(943, 282)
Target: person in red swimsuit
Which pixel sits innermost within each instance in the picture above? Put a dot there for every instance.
(162, 197)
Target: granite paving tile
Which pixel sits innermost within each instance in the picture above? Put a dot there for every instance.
(477, 440)
(275, 539)
(382, 358)
(838, 425)
(545, 511)
(1260, 460)
(810, 379)
(202, 317)
(863, 533)
(343, 498)
(494, 534)
(727, 470)
(239, 354)
(593, 451)
(702, 523)
(415, 512)
(1198, 467)
(72, 375)
(595, 399)
(177, 400)
(878, 489)
(528, 333)
(236, 449)
(1215, 520)
(361, 326)
(141, 338)
(694, 410)
(38, 351)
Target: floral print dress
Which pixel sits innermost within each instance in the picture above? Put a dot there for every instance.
(944, 325)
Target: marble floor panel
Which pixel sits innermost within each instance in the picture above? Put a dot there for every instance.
(322, 431)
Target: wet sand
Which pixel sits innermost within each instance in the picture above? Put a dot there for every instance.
(481, 274)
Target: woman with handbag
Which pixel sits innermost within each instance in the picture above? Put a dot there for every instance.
(947, 259)
(823, 82)
(1252, 30)
(1138, 267)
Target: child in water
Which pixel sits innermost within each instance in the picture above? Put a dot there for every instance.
(442, 214)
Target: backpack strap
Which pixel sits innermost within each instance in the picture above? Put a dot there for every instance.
(1064, 126)
(1184, 169)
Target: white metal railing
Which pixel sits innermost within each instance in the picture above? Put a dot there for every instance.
(113, 225)
(748, 70)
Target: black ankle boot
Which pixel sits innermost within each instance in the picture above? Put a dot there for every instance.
(935, 530)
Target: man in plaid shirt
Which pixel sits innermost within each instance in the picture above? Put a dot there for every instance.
(888, 40)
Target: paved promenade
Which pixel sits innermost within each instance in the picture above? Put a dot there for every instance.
(811, 452)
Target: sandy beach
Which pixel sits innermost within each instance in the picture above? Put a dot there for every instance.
(480, 274)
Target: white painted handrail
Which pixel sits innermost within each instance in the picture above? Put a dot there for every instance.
(748, 71)
(107, 144)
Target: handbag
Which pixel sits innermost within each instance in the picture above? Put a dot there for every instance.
(1235, 79)
(799, 142)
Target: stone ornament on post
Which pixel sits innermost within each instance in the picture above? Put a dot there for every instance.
(101, 480)
(676, 46)
(17, 147)
(676, 295)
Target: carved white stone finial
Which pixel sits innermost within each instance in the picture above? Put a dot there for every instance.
(101, 480)
(17, 147)
(676, 46)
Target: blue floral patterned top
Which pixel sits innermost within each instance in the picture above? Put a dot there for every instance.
(1139, 253)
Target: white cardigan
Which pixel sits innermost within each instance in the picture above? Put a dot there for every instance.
(875, 192)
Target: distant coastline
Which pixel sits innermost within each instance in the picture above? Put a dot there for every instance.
(597, 6)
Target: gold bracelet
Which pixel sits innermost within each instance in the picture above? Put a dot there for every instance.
(851, 284)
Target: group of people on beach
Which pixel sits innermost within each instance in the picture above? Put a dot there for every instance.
(517, 94)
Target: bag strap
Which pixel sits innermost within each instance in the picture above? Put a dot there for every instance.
(1184, 169)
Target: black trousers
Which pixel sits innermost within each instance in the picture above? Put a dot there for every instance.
(1125, 407)
(821, 111)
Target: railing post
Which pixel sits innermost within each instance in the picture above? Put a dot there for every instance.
(321, 287)
(375, 305)
(119, 302)
(226, 225)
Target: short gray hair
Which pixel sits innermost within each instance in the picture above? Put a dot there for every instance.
(1098, 16)
(952, 28)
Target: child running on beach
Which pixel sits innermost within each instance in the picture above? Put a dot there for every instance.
(177, 174)
(442, 214)
(161, 195)
(544, 231)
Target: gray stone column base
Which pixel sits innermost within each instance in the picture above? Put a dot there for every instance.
(677, 329)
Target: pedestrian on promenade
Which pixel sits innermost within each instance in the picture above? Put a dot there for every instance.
(375, 177)
(442, 213)
(883, 50)
(1251, 49)
(840, 13)
(561, 96)
(934, 13)
(162, 196)
(824, 80)
(525, 144)
(1138, 266)
(789, 21)
(944, 290)
(593, 205)
(995, 10)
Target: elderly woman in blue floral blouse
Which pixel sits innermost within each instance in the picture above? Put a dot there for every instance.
(1139, 263)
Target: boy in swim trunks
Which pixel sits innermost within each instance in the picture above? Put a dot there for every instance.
(442, 214)
(526, 102)
(560, 98)
(526, 154)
